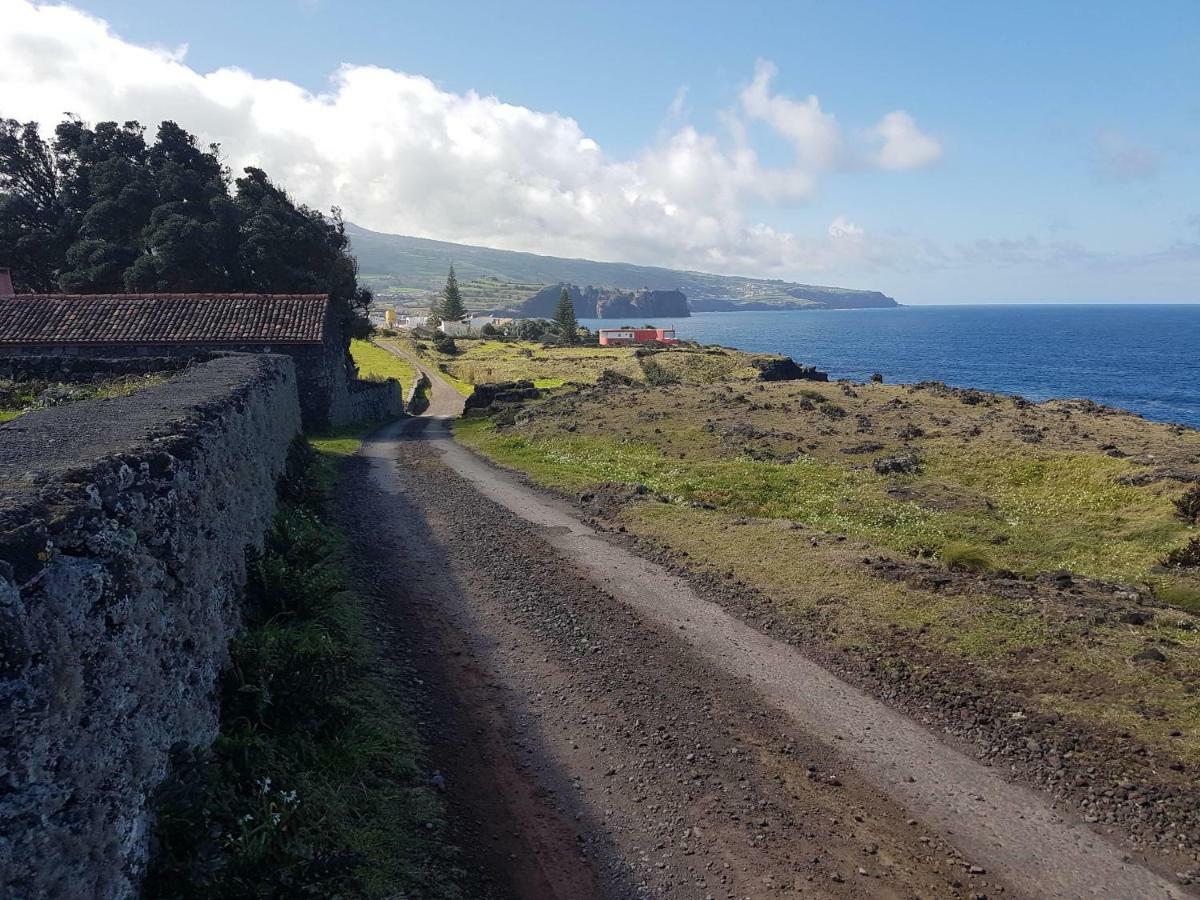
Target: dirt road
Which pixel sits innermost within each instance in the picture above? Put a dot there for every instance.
(603, 731)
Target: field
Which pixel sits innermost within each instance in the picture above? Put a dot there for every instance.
(374, 363)
(1019, 544)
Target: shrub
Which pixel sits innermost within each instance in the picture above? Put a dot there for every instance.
(489, 329)
(1185, 557)
(313, 787)
(657, 375)
(833, 411)
(1188, 506)
(965, 558)
(443, 343)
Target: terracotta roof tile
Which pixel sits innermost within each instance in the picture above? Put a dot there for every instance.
(163, 318)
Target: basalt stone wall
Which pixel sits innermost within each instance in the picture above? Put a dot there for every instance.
(84, 368)
(367, 401)
(124, 526)
(321, 370)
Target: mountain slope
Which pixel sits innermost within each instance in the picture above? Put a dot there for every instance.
(409, 269)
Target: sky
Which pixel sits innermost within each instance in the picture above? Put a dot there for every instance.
(942, 152)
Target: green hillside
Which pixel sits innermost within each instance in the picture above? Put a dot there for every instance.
(408, 271)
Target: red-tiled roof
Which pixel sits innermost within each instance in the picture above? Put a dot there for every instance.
(162, 318)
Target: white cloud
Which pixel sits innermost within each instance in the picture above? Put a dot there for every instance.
(841, 227)
(814, 134)
(905, 146)
(398, 153)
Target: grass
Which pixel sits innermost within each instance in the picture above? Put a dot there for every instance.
(315, 785)
(965, 558)
(18, 397)
(343, 441)
(376, 363)
(482, 361)
(1184, 596)
(761, 485)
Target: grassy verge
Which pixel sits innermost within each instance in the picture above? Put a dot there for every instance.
(314, 787)
(791, 488)
(375, 362)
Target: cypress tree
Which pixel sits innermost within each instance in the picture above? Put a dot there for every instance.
(564, 315)
(451, 308)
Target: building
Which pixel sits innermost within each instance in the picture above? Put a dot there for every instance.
(302, 326)
(610, 337)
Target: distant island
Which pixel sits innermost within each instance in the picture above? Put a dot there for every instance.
(408, 271)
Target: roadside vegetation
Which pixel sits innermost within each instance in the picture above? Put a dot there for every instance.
(1041, 549)
(315, 786)
(377, 364)
(488, 359)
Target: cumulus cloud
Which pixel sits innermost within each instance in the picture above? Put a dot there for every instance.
(904, 145)
(398, 153)
(841, 227)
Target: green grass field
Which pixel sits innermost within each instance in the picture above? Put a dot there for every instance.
(774, 485)
(375, 362)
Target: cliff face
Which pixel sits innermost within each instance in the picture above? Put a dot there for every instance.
(606, 303)
(805, 297)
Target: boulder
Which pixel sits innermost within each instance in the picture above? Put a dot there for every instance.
(904, 464)
(784, 368)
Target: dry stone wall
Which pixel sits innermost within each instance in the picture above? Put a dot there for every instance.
(124, 526)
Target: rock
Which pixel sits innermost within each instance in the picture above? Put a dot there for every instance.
(1136, 617)
(1150, 654)
(784, 368)
(904, 464)
(486, 395)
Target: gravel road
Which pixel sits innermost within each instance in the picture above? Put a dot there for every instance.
(604, 731)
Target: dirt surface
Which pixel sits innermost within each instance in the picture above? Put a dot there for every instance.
(603, 731)
(587, 752)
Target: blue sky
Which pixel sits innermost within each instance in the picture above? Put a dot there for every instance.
(1051, 151)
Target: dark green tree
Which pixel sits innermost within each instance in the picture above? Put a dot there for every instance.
(451, 307)
(33, 234)
(564, 317)
(188, 239)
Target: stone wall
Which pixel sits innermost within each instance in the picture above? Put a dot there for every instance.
(367, 401)
(123, 532)
(86, 368)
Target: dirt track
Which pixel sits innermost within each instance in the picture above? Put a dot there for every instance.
(605, 732)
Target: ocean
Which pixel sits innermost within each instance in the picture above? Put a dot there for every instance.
(1144, 358)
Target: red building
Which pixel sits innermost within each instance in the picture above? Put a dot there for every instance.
(616, 336)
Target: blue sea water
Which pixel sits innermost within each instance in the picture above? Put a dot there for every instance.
(1145, 358)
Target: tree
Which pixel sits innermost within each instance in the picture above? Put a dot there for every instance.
(451, 308)
(32, 234)
(564, 317)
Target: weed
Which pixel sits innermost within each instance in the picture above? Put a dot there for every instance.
(1183, 596)
(1188, 506)
(313, 787)
(657, 375)
(962, 557)
(1185, 557)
